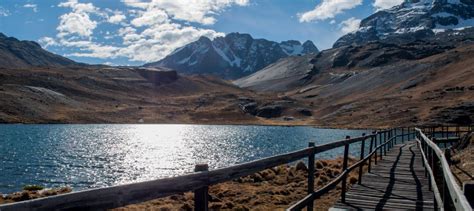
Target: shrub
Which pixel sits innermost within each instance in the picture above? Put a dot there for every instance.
(33, 187)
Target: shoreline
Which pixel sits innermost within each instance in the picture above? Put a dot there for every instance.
(209, 124)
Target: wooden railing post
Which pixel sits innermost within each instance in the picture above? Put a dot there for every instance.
(381, 147)
(344, 168)
(384, 146)
(370, 150)
(394, 136)
(403, 134)
(390, 136)
(201, 195)
(375, 146)
(362, 146)
(310, 175)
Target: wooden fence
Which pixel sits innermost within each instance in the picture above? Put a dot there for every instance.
(434, 159)
(117, 196)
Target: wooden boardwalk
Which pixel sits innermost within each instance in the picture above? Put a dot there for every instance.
(396, 182)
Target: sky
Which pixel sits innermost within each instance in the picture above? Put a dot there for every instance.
(134, 32)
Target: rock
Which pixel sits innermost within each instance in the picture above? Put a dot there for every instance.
(305, 112)
(270, 111)
(300, 166)
(249, 108)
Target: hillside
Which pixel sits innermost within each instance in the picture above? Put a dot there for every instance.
(232, 56)
(380, 84)
(124, 95)
(22, 54)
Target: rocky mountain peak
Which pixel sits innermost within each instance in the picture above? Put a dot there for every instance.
(412, 20)
(232, 56)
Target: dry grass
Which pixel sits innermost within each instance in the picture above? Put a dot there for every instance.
(271, 189)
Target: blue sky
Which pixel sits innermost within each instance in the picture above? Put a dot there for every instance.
(133, 32)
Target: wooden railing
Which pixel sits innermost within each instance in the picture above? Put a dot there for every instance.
(122, 195)
(385, 140)
(434, 160)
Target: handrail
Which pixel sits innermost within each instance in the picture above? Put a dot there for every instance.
(433, 185)
(312, 196)
(459, 200)
(122, 195)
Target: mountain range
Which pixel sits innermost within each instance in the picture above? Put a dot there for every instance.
(385, 74)
(412, 20)
(232, 56)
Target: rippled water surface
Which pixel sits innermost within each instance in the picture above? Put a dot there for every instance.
(88, 156)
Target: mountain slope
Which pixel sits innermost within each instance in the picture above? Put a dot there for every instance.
(282, 75)
(22, 54)
(412, 20)
(232, 56)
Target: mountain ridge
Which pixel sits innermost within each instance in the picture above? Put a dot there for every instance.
(412, 20)
(23, 54)
(232, 56)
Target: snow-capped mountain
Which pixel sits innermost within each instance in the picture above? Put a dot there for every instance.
(412, 20)
(232, 56)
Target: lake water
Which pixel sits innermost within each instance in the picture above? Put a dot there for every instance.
(90, 156)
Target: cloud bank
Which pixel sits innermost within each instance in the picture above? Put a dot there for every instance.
(148, 30)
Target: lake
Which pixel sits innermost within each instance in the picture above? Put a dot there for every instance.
(90, 156)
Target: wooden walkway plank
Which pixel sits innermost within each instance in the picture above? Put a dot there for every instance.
(397, 182)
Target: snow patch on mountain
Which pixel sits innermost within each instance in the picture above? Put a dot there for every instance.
(412, 20)
(232, 56)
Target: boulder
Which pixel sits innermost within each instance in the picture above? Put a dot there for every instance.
(270, 111)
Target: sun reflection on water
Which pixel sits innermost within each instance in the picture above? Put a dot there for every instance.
(88, 156)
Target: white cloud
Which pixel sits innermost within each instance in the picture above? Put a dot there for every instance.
(386, 4)
(34, 7)
(77, 22)
(47, 41)
(150, 17)
(159, 40)
(154, 28)
(117, 17)
(328, 9)
(349, 25)
(198, 11)
(4, 12)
